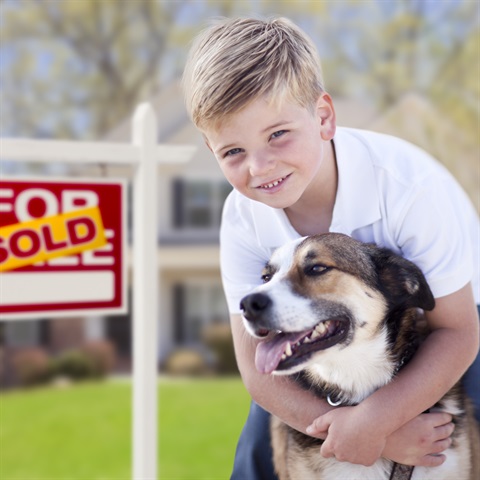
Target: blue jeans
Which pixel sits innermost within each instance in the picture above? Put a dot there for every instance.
(253, 458)
(471, 382)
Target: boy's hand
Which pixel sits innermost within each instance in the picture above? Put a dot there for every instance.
(352, 437)
(421, 440)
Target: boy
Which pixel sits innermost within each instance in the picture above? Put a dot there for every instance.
(254, 89)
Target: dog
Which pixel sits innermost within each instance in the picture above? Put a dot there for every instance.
(342, 318)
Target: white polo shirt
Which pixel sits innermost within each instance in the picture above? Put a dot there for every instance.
(390, 193)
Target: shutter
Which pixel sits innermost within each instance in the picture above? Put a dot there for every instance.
(178, 314)
(178, 209)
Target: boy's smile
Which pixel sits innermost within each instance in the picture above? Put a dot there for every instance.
(274, 183)
(274, 153)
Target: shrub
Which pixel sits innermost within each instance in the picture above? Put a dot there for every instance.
(218, 337)
(186, 361)
(32, 366)
(75, 365)
(102, 355)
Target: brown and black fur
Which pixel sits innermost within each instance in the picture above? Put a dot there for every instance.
(372, 295)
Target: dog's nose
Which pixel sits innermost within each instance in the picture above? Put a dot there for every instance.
(254, 305)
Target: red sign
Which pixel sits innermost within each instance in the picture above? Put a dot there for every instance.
(62, 244)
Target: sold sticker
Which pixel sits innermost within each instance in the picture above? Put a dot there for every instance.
(34, 241)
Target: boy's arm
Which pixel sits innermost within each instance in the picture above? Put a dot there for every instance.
(277, 394)
(442, 359)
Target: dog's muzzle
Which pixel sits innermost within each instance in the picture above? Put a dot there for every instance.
(284, 351)
(256, 307)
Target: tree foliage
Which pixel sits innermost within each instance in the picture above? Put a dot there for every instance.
(380, 51)
(75, 68)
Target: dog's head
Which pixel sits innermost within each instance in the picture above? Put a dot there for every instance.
(323, 292)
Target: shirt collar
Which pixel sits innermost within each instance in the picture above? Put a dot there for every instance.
(272, 225)
(356, 203)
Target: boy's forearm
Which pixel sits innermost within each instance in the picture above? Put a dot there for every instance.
(435, 368)
(439, 363)
(417, 387)
(277, 394)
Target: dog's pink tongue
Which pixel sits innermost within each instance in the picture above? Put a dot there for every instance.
(269, 352)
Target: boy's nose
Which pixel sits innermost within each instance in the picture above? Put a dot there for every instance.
(261, 163)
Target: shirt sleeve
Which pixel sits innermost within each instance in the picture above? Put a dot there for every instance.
(435, 232)
(241, 257)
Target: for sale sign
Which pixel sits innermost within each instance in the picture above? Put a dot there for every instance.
(62, 246)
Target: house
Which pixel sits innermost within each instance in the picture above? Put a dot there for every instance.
(190, 200)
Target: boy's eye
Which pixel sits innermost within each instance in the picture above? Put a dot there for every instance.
(233, 151)
(278, 134)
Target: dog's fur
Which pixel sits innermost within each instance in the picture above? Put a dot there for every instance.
(365, 302)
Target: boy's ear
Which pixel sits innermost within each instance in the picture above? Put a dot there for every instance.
(326, 114)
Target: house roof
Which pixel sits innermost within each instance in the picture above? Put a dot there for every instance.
(171, 115)
(174, 126)
(413, 118)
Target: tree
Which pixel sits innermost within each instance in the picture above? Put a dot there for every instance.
(74, 68)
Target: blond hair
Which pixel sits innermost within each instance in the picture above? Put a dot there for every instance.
(239, 60)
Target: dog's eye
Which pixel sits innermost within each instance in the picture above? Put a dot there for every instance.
(316, 270)
(266, 278)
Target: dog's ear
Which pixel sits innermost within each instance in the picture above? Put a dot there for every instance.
(402, 281)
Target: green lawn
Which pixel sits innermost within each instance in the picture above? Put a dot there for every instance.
(83, 432)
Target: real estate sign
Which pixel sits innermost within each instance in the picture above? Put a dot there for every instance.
(62, 247)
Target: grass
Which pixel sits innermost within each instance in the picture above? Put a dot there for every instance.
(83, 432)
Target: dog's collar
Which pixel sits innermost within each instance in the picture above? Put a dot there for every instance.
(401, 363)
(332, 402)
(337, 400)
(401, 472)
(407, 356)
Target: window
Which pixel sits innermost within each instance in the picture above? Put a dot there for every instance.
(197, 304)
(25, 333)
(197, 204)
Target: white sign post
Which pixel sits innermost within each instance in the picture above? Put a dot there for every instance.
(145, 298)
(144, 154)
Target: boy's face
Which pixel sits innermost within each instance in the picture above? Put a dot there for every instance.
(273, 154)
